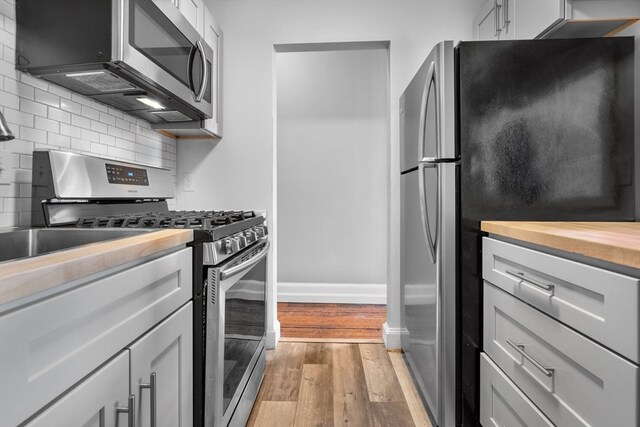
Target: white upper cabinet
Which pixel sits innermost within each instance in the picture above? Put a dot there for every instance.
(486, 25)
(528, 19)
(193, 10)
(213, 37)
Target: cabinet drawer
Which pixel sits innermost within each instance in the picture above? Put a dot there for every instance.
(598, 303)
(55, 342)
(573, 380)
(502, 403)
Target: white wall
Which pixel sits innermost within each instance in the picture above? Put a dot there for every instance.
(332, 139)
(45, 116)
(237, 172)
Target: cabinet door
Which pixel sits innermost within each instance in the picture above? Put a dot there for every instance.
(166, 351)
(213, 37)
(486, 24)
(193, 10)
(93, 402)
(532, 17)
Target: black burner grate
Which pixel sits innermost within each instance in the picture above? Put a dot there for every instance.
(203, 220)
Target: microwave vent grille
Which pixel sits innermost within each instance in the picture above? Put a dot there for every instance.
(171, 116)
(102, 81)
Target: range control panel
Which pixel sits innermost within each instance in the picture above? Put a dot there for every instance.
(118, 174)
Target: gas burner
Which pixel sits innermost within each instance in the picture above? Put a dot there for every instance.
(197, 220)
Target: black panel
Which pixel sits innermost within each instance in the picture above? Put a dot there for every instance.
(199, 331)
(62, 32)
(547, 129)
(546, 132)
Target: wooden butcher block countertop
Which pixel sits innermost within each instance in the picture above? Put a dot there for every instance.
(616, 242)
(27, 276)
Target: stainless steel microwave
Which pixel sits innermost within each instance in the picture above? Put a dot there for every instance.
(140, 56)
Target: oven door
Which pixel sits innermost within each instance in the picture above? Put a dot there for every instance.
(159, 44)
(236, 320)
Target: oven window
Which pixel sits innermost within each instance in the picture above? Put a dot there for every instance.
(157, 38)
(244, 326)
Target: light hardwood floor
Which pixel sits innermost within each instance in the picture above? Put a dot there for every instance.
(336, 384)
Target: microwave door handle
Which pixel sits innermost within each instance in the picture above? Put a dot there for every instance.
(190, 69)
(225, 274)
(203, 85)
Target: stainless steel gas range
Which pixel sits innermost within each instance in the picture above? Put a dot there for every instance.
(229, 266)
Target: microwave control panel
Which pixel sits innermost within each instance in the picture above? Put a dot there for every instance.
(117, 174)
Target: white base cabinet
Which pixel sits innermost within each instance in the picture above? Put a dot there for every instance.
(560, 337)
(56, 343)
(94, 401)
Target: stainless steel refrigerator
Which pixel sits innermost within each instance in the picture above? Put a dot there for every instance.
(508, 130)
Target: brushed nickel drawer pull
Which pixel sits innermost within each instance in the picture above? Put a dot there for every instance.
(520, 275)
(520, 349)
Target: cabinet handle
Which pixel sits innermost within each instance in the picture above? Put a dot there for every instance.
(520, 349)
(151, 385)
(520, 275)
(496, 13)
(130, 410)
(505, 14)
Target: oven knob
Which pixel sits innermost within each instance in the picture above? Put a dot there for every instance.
(235, 244)
(261, 232)
(251, 236)
(243, 241)
(227, 246)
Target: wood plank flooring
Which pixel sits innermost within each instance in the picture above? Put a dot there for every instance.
(331, 321)
(336, 384)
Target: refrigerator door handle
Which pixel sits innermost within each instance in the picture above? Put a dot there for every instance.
(426, 229)
(423, 109)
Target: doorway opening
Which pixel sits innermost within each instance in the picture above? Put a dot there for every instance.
(331, 172)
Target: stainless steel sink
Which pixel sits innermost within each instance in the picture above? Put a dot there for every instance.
(18, 244)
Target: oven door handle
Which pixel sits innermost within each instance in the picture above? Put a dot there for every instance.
(225, 274)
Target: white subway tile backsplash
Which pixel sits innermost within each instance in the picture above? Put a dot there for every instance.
(33, 81)
(70, 130)
(59, 115)
(18, 88)
(33, 135)
(99, 127)
(90, 113)
(62, 92)
(71, 106)
(47, 98)
(107, 119)
(26, 161)
(80, 144)
(60, 141)
(90, 135)
(9, 100)
(45, 116)
(32, 107)
(19, 146)
(9, 190)
(18, 117)
(80, 121)
(9, 25)
(107, 140)
(98, 148)
(122, 124)
(47, 125)
(25, 190)
(116, 113)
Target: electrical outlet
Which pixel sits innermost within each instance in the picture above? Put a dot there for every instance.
(187, 182)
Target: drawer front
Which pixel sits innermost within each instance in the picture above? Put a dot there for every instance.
(56, 342)
(598, 303)
(502, 403)
(573, 380)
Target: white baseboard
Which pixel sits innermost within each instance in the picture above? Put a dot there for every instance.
(273, 336)
(345, 293)
(392, 336)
